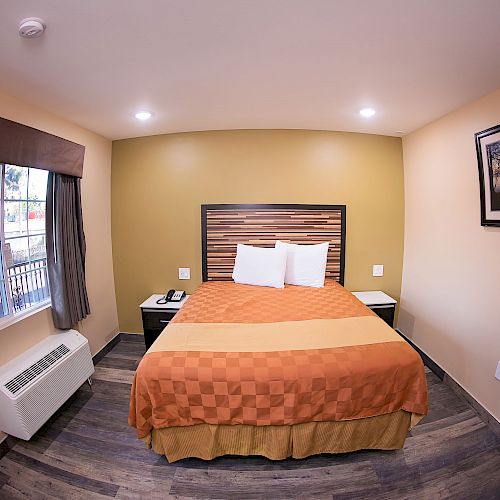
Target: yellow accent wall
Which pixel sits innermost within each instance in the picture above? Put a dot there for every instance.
(159, 183)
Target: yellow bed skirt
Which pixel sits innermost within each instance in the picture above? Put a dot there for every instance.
(277, 442)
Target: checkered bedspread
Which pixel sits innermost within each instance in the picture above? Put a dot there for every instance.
(273, 385)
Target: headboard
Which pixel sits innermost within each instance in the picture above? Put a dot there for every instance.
(223, 226)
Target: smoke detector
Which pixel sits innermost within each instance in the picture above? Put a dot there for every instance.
(31, 27)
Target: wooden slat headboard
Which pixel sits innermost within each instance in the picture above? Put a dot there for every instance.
(223, 226)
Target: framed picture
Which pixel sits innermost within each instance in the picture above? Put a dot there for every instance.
(488, 161)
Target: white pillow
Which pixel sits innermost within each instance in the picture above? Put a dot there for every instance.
(305, 264)
(260, 266)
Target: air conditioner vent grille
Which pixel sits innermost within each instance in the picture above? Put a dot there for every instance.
(30, 373)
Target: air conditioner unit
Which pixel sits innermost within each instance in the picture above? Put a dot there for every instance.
(36, 383)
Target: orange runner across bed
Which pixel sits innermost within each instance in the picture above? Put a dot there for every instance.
(241, 354)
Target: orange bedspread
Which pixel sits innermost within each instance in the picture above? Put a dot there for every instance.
(227, 302)
(329, 358)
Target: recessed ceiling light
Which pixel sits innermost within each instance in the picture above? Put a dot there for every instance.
(143, 115)
(367, 112)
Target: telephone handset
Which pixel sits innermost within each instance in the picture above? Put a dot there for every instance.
(172, 296)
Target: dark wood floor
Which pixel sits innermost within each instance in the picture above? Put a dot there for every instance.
(87, 451)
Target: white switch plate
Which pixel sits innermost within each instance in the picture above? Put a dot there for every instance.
(184, 273)
(497, 373)
(378, 270)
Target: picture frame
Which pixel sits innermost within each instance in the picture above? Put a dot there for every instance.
(488, 161)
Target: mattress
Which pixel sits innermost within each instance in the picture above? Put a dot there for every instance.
(241, 356)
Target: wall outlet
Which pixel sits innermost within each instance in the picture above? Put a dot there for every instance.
(378, 270)
(184, 273)
(497, 373)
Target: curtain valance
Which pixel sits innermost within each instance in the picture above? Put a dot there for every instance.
(29, 147)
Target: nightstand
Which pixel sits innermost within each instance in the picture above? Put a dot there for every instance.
(380, 303)
(156, 317)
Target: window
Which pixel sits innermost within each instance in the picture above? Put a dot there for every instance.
(23, 278)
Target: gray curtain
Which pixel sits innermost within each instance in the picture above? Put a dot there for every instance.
(66, 251)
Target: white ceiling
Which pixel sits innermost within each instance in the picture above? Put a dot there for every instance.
(231, 64)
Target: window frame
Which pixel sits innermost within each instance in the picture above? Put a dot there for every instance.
(13, 316)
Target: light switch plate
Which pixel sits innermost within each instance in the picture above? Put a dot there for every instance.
(378, 270)
(184, 273)
(497, 373)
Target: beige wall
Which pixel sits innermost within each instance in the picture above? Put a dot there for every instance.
(451, 278)
(102, 324)
(159, 183)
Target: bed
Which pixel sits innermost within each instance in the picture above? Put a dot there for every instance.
(249, 370)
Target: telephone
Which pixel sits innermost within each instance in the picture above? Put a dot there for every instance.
(172, 296)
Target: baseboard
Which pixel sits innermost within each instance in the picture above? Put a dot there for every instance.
(485, 415)
(120, 335)
(7, 444)
(4, 448)
(104, 350)
(428, 361)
